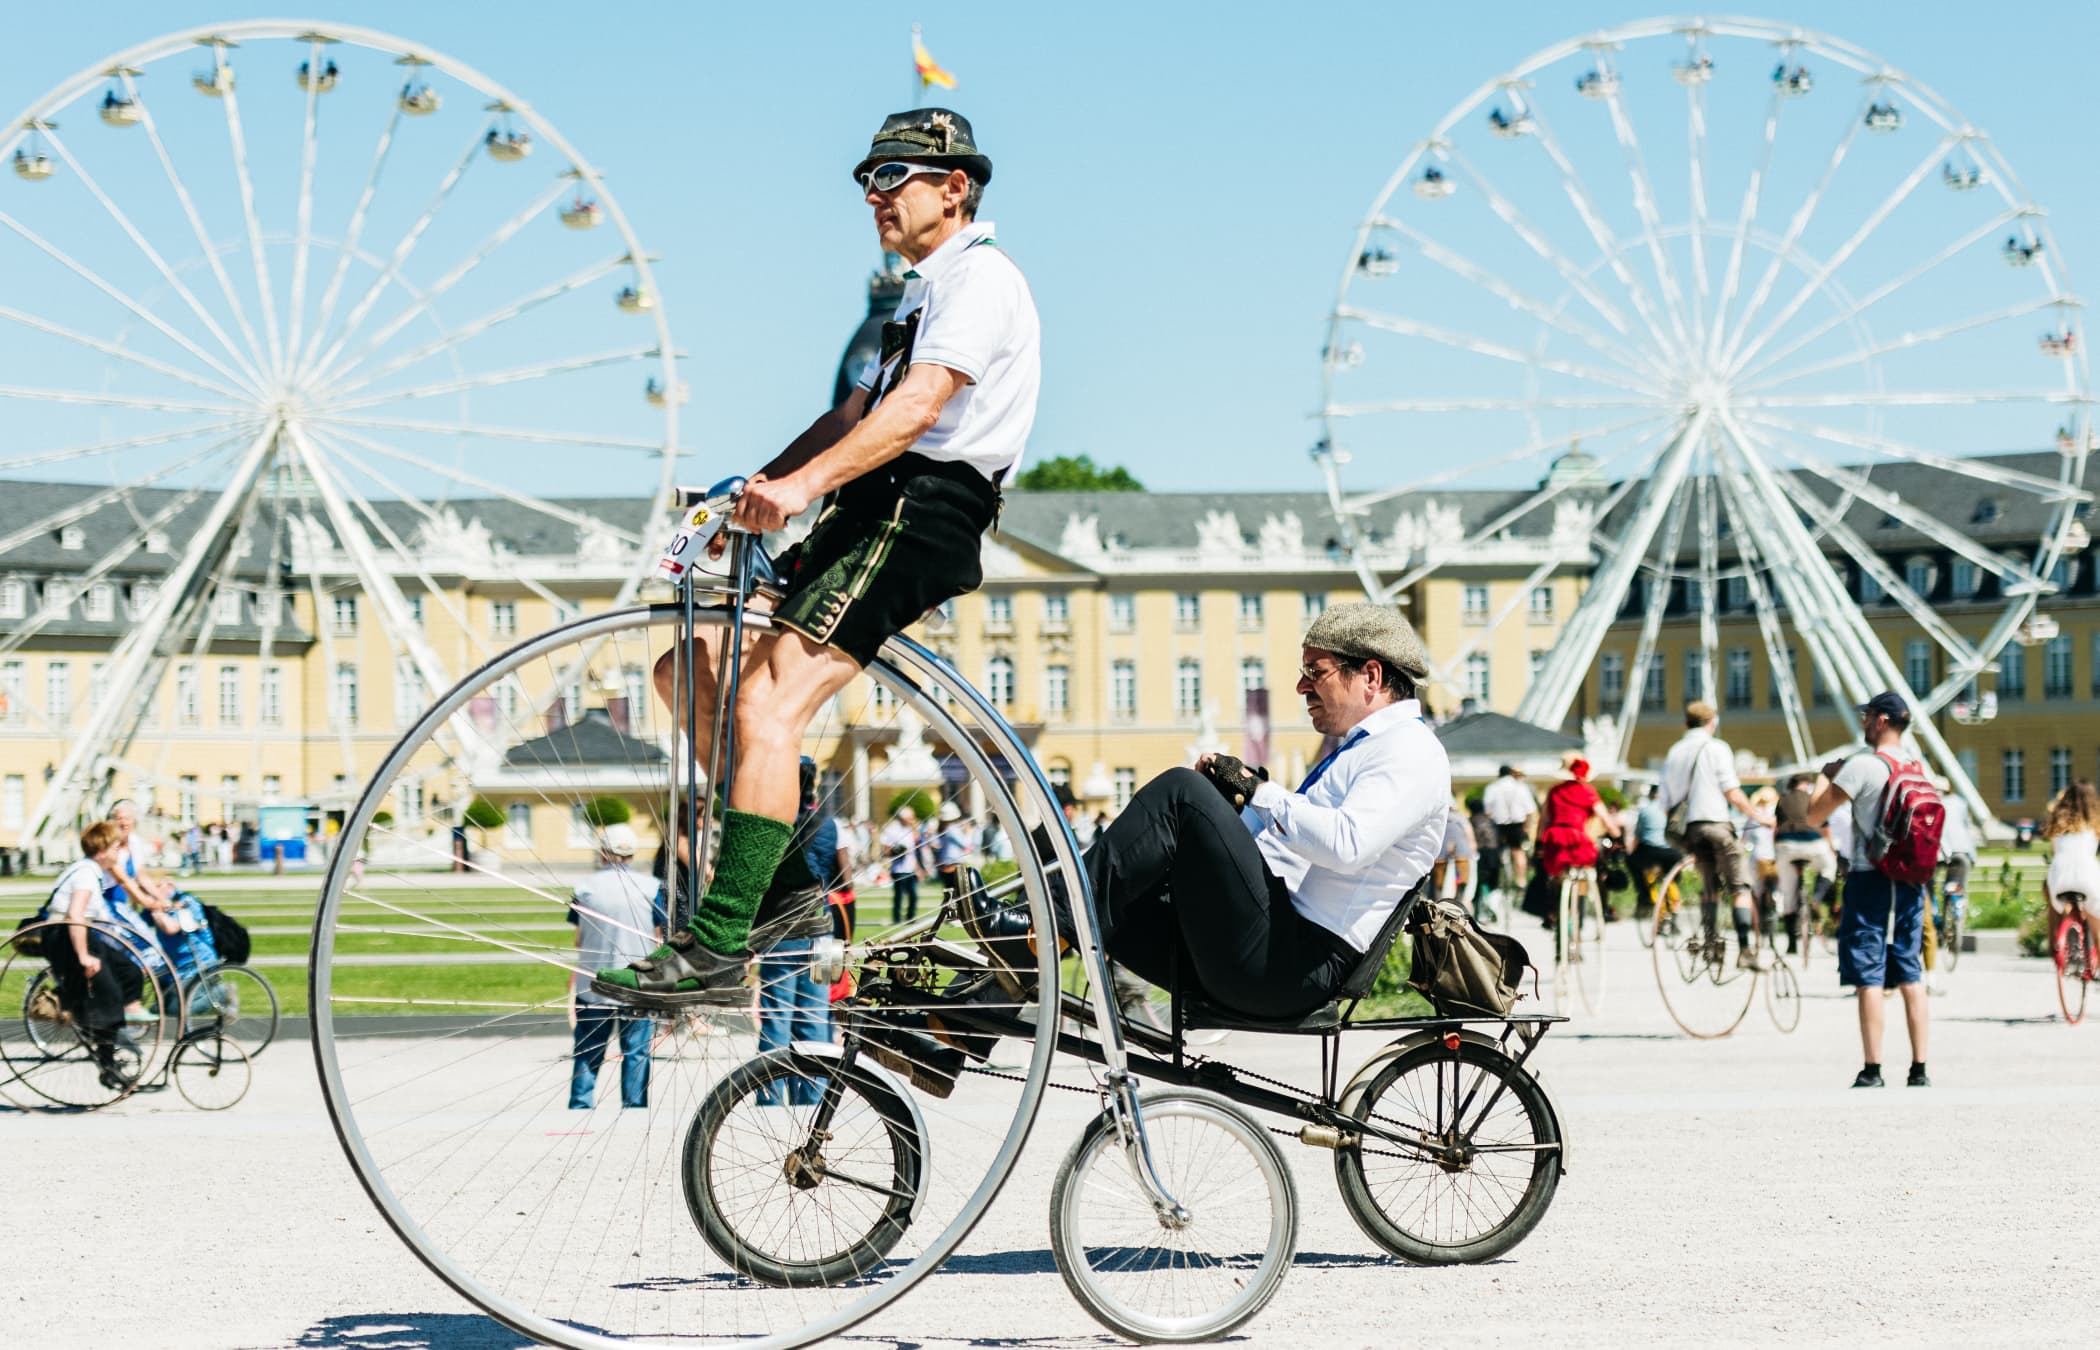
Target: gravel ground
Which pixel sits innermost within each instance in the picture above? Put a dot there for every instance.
(1728, 1193)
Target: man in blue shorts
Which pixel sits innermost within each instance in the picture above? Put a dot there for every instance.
(1881, 935)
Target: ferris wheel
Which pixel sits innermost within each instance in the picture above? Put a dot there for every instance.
(278, 292)
(1689, 306)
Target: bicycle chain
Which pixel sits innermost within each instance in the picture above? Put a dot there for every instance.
(1096, 1089)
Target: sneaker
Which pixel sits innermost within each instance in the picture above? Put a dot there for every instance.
(1918, 1077)
(791, 916)
(681, 973)
(1868, 1078)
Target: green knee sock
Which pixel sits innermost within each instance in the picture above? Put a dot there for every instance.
(752, 847)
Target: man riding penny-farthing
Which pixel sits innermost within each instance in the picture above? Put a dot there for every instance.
(805, 1211)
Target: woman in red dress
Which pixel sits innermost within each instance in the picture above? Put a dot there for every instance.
(1565, 837)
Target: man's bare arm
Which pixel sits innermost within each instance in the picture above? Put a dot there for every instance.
(1826, 804)
(830, 426)
(904, 415)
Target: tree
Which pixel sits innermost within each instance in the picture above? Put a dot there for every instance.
(922, 803)
(1076, 473)
(603, 811)
(482, 814)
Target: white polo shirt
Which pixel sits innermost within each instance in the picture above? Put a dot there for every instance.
(1700, 769)
(977, 317)
(1351, 844)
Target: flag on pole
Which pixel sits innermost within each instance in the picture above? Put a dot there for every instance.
(930, 72)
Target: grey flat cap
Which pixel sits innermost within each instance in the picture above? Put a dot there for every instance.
(1364, 631)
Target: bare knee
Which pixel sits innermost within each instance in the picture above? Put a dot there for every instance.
(669, 669)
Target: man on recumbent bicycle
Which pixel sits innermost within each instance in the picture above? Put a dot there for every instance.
(910, 467)
(1262, 897)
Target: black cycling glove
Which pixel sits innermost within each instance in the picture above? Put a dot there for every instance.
(1233, 779)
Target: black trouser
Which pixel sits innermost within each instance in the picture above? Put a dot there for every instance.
(1177, 880)
(904, 897)
(97, 1003)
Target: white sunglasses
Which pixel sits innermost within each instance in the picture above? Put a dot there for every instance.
(893, 175)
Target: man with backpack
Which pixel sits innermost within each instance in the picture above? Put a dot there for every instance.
(1897, 818)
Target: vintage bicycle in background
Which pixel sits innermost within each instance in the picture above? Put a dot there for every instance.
(775, 1199)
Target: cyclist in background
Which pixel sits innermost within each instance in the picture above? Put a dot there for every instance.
(1652, 856)
(1514, 808)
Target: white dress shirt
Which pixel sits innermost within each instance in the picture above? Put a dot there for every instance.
(1358, 839)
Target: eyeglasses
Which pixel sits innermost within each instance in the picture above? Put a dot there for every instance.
(1315, 674)
(893, 175)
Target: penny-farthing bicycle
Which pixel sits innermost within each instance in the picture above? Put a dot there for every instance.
(1707, 978)
(787, 1222)
(778, 1197)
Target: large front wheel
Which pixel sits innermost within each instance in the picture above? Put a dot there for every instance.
(532, 1151)
(1707, 985)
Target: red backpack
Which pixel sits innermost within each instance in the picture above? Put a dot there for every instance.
(1906, 845)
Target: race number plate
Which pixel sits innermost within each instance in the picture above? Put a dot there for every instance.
(695, 527)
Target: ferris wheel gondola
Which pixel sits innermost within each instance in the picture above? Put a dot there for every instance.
(1691, 400)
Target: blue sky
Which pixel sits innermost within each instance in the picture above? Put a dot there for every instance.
(1181, 182)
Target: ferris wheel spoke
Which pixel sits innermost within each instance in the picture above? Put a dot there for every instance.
(1779, 660)
(1554, 689)
(407, 556)
(1644, 204)
(1914, 398)
(239, 141)
(1365, 500)
(123, 298)
(404, 557)
(495, 239)
(162, 368)
(1823, 614)
(93, 448)
(1600, 233)
(1454, 405)
(1894, 504)
(1465, 268)
(131, 231)
(1695, 186)
(89, 398)
(1709, 521)
(1736, 359)
(1723, 354)
(1657, 604)
(353, 234)
(1921, 338)
(484, 431)
(375, 580)
(303, 240)
(1882, 292)
(580, 519)
(1428, 332)
(256, 361)
(454, 338)
(403, 249)
(1504, 520)
(487, 379)
(1508, 213)
(1746, 220)
(1981, 470)
(95, 501)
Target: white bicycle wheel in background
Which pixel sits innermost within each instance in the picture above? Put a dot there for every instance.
(449, 1084)
(1668, 331)
(277, 293)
